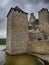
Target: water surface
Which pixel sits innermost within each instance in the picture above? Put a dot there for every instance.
(19, 59)
(2, 58)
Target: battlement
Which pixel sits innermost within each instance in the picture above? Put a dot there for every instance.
(43, 10)
(16, 9)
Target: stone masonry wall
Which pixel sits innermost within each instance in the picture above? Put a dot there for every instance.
(43, 17)
(44, 22)
(41, 47)
(17, 33)
(9, 31)
(35, 36)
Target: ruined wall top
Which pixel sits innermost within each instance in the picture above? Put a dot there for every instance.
(43, 9)
(16, 9)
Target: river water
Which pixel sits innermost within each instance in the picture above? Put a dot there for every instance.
(17, 58)
(2, 57)
(2, 54)
(2, 47)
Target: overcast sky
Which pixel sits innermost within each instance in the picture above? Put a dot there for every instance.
(26, 5)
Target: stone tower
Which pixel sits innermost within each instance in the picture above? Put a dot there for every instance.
(17, 31)
(44, 21)
(43, 16)
(32, 18)
(48, 15)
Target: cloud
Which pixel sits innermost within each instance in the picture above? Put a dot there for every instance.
(33, 1)
(3, 2)
(38, 1)
(3, 34)
(26, 5)
(46, 1)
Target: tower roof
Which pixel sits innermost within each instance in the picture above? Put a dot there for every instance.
(16, 8)
(32, 14)
(43, 9)
(20, 10)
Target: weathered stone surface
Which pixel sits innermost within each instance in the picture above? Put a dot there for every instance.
(44, 28)
(9, 31)
(17, 33)
(35, 35)
(44, 21)
(43, 16)
(19, 40)
(41, 47)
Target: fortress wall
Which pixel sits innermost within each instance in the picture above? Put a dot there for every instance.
(48, 16)
(44, 21)
(43, 17)
(41, 47)
(35, 36)
(17, 31)
(9, 31)
(17, 34)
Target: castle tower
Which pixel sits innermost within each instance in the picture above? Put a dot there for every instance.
(32, 18)
(43, 16)
(17, 31)
(48, 15)
(44, 21)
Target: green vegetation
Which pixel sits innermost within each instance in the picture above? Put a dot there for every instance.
(2, 41)
(34, 24)
(29, 27)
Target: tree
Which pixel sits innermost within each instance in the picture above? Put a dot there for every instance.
(35, 23)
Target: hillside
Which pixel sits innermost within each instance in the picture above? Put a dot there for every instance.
(2, 41)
